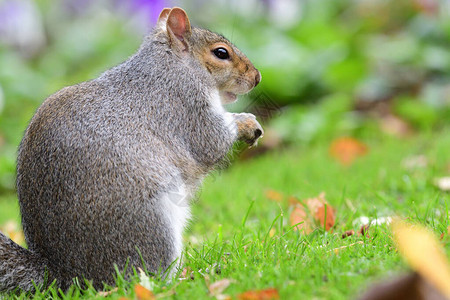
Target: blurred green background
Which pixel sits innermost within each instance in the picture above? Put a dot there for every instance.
(362, 68)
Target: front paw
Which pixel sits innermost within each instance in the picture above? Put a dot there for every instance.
(249, 130)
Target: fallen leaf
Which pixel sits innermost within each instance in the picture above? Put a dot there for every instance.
(217, 288)
(300, 217)
(143, 293)
(364, 230)
(315, 210)
(424, 254)
(267, 294)
(348, 233)
(346, 149)
(274, 195)
(443, 183)
(322, 212)
(314, 204)
(325, 214)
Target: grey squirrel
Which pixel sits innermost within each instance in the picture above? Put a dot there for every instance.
(107, 167)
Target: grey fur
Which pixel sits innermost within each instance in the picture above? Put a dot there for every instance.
(96, 159)
(19, 267)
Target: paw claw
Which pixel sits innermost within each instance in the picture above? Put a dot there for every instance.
(258, 133)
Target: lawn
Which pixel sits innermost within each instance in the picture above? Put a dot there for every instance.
(240, 233)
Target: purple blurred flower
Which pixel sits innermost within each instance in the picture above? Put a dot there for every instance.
(150, 8)
(147, 10)
(21, 26)
(9, 11)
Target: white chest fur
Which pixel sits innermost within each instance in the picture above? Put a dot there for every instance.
(176, 200)
(228, 118)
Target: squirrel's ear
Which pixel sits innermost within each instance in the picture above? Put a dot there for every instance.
(178, 29)
(163, 15)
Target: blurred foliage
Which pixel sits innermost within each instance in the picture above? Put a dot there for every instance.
(329, 66)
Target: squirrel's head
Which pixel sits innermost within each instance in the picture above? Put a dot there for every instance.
(231, 70)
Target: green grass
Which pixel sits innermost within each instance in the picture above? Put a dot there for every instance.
(231, 237)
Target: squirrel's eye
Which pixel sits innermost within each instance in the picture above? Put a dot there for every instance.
(221, 53)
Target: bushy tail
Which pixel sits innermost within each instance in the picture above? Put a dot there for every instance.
(19, 267)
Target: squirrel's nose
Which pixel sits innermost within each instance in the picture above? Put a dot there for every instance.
(257, 77)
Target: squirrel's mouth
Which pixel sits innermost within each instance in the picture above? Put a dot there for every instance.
(228, 97)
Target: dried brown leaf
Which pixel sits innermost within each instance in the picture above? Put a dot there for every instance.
(315, 210)
(325, 216)
(267, 294)
(322, 212)
(424, 254)
(143, 293)
(346, 149)
(348, 233)
(364, 230)
(300, 217)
